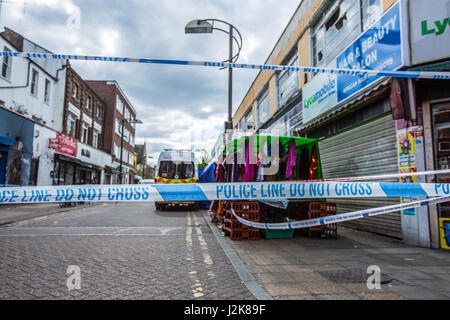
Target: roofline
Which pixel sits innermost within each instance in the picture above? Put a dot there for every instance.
(114, 82)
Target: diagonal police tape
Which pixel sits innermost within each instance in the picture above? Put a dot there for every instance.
(384, 176)
(340, 217)
(220, 191)
(341, 71)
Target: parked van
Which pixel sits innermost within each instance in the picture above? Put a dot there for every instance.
(176, 166)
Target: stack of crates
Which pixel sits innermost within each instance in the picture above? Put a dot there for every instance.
(236, 230)
(320, 210)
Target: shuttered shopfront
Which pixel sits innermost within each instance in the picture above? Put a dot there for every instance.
(366, 149)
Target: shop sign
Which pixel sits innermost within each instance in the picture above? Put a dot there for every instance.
(63, 144)
(379, 47)
(319, 95)
(430, 30)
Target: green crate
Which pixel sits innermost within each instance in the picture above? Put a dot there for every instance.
(279, 234)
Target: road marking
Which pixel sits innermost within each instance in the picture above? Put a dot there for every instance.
(196, 288)
(203, 245)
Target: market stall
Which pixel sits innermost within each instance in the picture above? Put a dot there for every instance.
(259, 158)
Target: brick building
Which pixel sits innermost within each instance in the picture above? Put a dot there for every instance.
(119, 114)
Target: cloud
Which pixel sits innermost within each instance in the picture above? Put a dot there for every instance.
(179, 105)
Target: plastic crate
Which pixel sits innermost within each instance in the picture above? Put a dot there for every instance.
(240, 234)
(279, 234)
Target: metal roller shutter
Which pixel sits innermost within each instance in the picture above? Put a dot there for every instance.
(367, 149)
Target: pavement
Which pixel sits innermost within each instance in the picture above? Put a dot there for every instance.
(303, 268)
(131, 251)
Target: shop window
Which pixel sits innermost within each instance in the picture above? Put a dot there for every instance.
(263, 108)
(34, 83)
(6, 65)
(47, 91)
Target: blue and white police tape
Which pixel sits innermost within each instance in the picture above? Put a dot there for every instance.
(355, 72)
(220, 191)
(340, 217)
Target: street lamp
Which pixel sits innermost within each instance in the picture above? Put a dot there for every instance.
(131, 121)
(207, 26)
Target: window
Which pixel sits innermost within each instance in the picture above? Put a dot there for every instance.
(288, 82)
(75, 90)
(47, 92)
(335, 31)
(34, 83)
(167, 169)
(126, 113)
(84, 134)
(116, 150)
(371, 11)
(118, 128)
(6, 65)
(263, 108)
(88, 102)
(119, 105)
(95, 139)
(99, 110)
(71, 125)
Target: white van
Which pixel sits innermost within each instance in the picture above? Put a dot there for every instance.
(176, 166)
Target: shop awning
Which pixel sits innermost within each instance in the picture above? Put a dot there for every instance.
(7, 141)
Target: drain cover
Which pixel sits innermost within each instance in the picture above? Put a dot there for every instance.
(355, 275)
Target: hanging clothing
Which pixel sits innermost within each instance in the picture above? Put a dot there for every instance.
(313, 165)
(291, 158)
(302, 168)
(249, 162)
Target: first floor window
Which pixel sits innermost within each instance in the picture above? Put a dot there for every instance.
(71, 127)
(47, 92)
(84, 137)
(6, 66)
(34, 83)
(95, 139)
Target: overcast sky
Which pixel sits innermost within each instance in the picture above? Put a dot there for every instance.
(179, 105)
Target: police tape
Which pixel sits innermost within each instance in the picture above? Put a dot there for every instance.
(384, 176)
(220, 191)
(340, 71)
(340, 217)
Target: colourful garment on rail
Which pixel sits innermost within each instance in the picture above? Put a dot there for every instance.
(292, 152)
(313, 165)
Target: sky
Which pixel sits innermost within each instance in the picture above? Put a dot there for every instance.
(180, 106)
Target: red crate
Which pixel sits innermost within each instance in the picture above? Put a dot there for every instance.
(240, 234)
(245, 206)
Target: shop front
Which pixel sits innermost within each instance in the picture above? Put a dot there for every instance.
(76, 163)
(16, 147)
(352, 117)
(70, 171)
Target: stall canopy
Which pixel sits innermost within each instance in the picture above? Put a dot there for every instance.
(259, 141)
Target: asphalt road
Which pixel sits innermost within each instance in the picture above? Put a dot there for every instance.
(117, 251)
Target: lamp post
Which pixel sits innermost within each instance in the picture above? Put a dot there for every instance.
(131, 121)
(207, 26)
